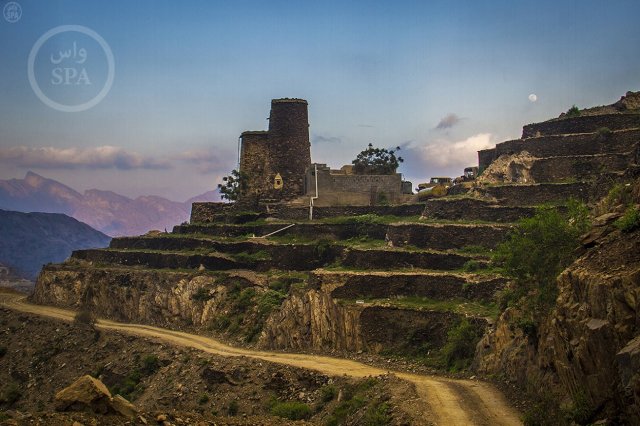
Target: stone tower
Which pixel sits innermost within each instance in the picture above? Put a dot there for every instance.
(275, 161)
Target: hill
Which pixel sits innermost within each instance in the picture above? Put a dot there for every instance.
(106, 211)
(29, 240)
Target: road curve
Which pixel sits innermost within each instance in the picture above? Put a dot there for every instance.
(447, 401)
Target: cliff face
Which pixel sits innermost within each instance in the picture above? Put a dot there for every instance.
(589, 345)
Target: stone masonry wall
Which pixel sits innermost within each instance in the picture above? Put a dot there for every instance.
(581, 124)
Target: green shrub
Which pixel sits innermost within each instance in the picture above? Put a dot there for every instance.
(377, 415)
(630, 221)
(574, 111)
(85, 317)
(204, 398)
(12, 394)
(461, 345)
(473, 265)
(150, 364)
(201, 295)
(269, 300)
(232, 409)
(603, 133)
(328, 393)
(291, 410)
(540, 248)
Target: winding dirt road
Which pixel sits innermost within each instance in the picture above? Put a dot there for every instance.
(444, 401)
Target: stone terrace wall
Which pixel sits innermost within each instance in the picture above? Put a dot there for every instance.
(564, 145)
(531, 195)
(581, 124)
(578, 167)
(301, 213)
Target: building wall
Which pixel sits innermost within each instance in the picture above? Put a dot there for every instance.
(335, 187)
(284, 149)
(581, 124)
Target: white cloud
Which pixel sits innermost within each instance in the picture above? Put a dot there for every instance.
(443, 157)
(102, 157)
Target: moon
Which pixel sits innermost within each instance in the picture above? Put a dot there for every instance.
(533, 97)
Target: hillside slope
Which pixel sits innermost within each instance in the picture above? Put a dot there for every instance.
(29, 240)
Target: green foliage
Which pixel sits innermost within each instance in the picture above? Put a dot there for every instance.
(603, 133)
(630, 221)
(251, 257)
(582, 410)
(204, 398)
(232, 409)
(85, 317)
(11, 394)
(619, 194)
(473, 265)
(202, 295)
(328, 393)
(377, 415)
(269, 300)
(461, 345)
(130, 387)
(354, 398)
(574, 111)
(540, 248)
(377, 161)
(233, 186)
(292, 410)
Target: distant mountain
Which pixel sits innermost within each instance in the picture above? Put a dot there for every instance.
(106, 211)
(29, 240)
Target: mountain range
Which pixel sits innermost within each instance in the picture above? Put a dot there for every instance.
(29, 240)
(106, 211)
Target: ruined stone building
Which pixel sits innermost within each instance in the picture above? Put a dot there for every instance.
(277, 166)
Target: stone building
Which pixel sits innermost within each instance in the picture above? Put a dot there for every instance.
(277, 166)
(275, 161)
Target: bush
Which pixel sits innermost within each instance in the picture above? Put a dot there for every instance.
(574, 111)
(377, 415)
(85, 317)
(291, 410)
(12, 394)
(204, 398)
(603, 133)
(461, 345)
(328, 393)
(630, 221)
(540, 248)
(150, 364)
(232, 409)
(201, 295)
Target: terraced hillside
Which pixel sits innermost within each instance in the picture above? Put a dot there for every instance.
(392, 280)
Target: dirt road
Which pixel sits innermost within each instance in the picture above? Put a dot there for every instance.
(444, 401)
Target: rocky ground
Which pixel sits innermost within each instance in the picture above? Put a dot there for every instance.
(39, 357)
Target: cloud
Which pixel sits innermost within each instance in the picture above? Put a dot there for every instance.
(448, 121)
(102, 157)
(442, 157)
(327, 139)
(207, 160)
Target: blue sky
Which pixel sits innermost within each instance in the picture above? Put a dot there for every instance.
(191, 76)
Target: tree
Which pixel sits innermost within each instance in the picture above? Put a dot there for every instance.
(377, 161)
(233, 186)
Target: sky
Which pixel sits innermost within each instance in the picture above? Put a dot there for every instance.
(149, 97)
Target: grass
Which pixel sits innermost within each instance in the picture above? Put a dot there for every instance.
(255, 257)
(368, 219)
(459, 306)
(292, 410)
(630, 221)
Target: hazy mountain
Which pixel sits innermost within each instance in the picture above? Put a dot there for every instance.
(106, 211)
(29, 240)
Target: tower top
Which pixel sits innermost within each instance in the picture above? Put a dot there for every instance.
(288, 100)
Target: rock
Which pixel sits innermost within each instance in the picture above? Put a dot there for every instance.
(85, 394)
(123, 407)
(161, 418)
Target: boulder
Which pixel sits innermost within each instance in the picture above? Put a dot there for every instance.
(91, 395)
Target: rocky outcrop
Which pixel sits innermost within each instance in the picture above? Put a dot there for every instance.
(589, 345)
(90, 394)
